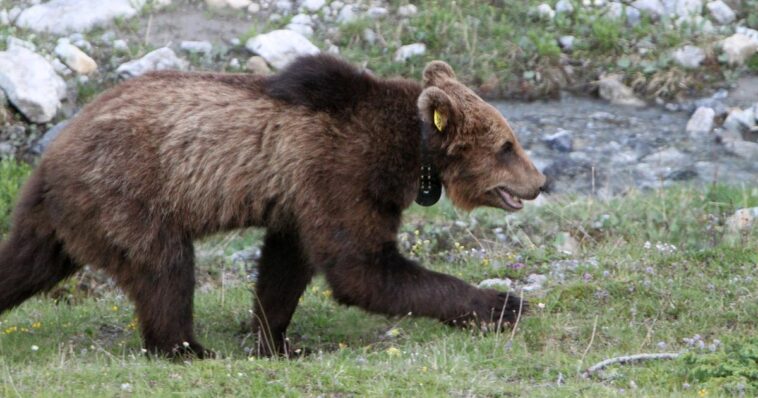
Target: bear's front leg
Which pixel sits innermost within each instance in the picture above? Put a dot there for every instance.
(385, 282)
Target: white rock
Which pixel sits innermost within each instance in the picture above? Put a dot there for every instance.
(239, 4)
(653, 8)
(12, 42)
(617, 10)
(283, 6)
(197, 47)
(377, 12)
(160, 59)
(13, 13)
(613, 90)
(738, 48)
(742, 219)
(254, 8)
(683, 8)
(313, 5)
(503, 284)
(280, 47)
(545, 11)
(305, 30)
(409, 50)
(566, 42)
(407, 10)
(60, 67)
(721, 12)
(565, 243)
(234, 63)
(4, 18)
(751, 33)
(31, 84)
(535, 282)
(347, 14)
(740, 120)
(564, 7)
(336, 5)
(120, 45)
(68, 16)
(689, 57)
(701, 122)
(302, 19)
(666, 157)
(369, 36)
(75, 58)
(744, 149)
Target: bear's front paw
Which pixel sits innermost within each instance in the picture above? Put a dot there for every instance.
(492, 310)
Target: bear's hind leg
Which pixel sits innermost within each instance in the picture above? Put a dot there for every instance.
(283, 275)
(163, 294)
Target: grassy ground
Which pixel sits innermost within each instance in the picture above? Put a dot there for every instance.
(620, 296)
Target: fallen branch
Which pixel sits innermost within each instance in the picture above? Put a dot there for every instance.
(627, 359)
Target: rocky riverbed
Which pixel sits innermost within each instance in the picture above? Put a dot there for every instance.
(58, 54)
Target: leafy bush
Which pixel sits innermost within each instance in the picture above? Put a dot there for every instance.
(735, 369)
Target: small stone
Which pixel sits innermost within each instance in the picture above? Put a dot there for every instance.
(562, 141)
(503, 284)
(666, 157)
(301, 23)
(313, 5)
(160, 59)
(239, 4)
(4, 18)
(564, 7)
(258, 66)
(283, 6)
(544, 11)
(369, 36)
(742, 219)
(751, 33)
(407, 10)
(12, 42)
(613, 90)
(738, 48)
(280, 47)
(75, 58)
(565, 243)
(120, 45)
(740, 120)
(701, 121)
(50, 135)
(196, 47)
(689, 57)
(535, 282)
(347, 14)
(744, 149)
(684, 8)
(253, 8)
(653, 8)
(633, 16)
(721, 12)
(409, 50)
(566, 42)
(377, 12)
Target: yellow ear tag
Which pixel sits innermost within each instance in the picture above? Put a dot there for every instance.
(439, 120)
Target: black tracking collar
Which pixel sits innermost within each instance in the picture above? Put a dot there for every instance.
(430, 186)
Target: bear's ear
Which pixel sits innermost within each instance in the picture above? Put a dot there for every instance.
(435, 107)
(435, 72)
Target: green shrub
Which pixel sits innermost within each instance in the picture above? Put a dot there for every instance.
(12, 175)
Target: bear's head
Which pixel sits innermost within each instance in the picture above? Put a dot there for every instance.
(480, 160)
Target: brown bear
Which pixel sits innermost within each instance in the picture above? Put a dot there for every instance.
(324, 155)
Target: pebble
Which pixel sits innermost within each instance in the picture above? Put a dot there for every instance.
(409, 50)
(689, 57)
(407, 10)
(280, 47)
(564, 7)
(161, 59)
(74, 57)
(197, 47)
(701, 121)
(257, 65)
(721, 12)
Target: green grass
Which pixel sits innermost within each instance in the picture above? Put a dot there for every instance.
(12, 175)
(620, 298)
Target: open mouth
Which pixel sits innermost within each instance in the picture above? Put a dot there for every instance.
(510, 200)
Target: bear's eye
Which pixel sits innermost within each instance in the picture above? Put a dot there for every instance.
(505, 151)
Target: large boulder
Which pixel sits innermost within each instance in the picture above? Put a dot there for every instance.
(63, 17)
(31, 84)
(280, 47)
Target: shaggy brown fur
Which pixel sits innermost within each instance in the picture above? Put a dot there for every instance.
(324, 155)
